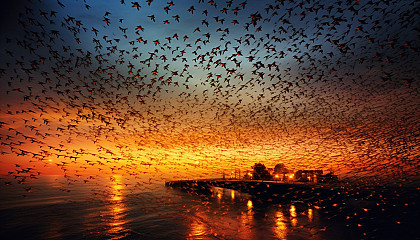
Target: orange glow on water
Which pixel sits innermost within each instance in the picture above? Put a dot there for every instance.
(310, 214)
(197, 229)
(117, 211)
(280, 227)
(249, 204)
(293, 216)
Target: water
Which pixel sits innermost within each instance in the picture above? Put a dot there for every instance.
(55, 209)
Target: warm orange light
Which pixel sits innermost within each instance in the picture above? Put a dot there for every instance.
(310, 214)
(197, 229)
(293, 211)
(249, 204)
(281, 227)
(276, 176)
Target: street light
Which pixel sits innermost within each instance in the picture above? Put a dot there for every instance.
(276, 177)
(291, 176)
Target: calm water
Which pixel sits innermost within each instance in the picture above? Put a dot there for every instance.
(55, 209)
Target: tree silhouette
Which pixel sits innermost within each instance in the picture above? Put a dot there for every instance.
(280, 168)
(260, 172)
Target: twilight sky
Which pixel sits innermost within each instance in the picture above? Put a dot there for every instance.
(175, 89)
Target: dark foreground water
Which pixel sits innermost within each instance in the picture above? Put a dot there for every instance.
(54, 209)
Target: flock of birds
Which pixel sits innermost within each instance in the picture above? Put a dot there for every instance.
(138, 92)
(160, 88)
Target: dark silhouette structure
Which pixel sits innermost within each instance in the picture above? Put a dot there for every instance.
(260, 172)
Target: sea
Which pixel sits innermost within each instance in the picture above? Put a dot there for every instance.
(53, 207)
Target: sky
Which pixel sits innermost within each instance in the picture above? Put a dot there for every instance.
(181, 89)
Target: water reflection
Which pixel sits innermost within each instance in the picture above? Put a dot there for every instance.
(198, 228)
(249, 204)
(117, 210)
(293, 215)
(280, 227)
(247, 221)
(232, 215)
(310, 214)
(114, 213)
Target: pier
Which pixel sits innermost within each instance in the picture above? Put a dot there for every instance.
(262, 189)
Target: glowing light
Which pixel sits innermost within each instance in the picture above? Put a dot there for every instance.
(117, 210)
(117, 188)
(117, 198)
(250, 174)
(249, 204)
(232, 194)
(294, 222)
(197, 229)
(281, 227)
(293, 214)
(247, 219)
(310, 214)
(293, 211)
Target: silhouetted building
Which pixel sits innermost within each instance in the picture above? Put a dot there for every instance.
(308, 175)
(329, 177)
(314, 176)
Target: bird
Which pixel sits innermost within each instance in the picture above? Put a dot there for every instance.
(313, 83)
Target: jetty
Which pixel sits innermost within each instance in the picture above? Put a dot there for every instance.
(259, 188)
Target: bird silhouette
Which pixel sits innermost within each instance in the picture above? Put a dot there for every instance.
(129, 90)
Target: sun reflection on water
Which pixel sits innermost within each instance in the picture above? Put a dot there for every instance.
(117, 209)
(197, 229)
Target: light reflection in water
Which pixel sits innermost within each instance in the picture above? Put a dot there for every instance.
(218, 193)
(232, 215)
(249, 205)
(247, 222)
(280, 227)
(310, 214)
(117, 209)
(197, 229)
(293, 211)
(293, 216)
